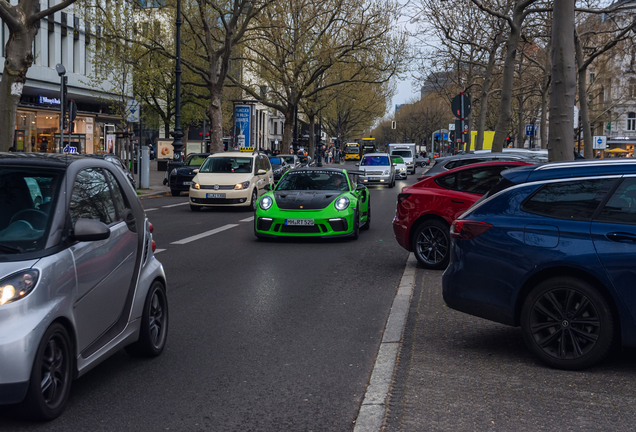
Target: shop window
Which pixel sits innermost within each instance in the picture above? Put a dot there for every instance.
(631, 121)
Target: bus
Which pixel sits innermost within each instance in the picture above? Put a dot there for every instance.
(368, 145)
(352, 151)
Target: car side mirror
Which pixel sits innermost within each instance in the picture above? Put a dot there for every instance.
(90, 230)
(196, 171)
(394, 164)
(357, 164)
(261, 172)
(268, 187)
(360, 186)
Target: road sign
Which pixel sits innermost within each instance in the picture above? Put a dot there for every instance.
(132, 111)
(599, 142)
(461, 106)
(392, 125)
(451, 126)
(529, 130)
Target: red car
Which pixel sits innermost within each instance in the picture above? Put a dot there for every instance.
(426, 209)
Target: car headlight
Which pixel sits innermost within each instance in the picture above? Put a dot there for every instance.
(342, 203)
(409, 163)
(243, 185)
(195, 185)
(173, 172)
(386, 172)
(18, 285)
(266, 202)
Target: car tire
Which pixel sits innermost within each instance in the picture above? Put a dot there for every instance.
(175, 192)
(367, 223)
(356, 225)
(51, 376)
(431, 244)
(154, 324)
(567, 323)
(195, 208)
(253, 200)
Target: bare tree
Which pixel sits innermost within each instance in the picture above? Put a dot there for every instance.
(23, 22)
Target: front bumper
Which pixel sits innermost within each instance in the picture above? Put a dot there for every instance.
(233, 197)
(376, 179)
(327, 223)
(401, 175)
(352, 157)
(180, 183)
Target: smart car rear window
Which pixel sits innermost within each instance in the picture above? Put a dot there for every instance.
(571, 200)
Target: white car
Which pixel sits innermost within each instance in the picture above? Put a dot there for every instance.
(231, 179)
(400, 167)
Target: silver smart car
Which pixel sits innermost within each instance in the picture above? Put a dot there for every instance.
(78, 278)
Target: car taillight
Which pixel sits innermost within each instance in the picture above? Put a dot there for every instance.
(468, 229)
(154, 246)
(150, 227)
(403, 196)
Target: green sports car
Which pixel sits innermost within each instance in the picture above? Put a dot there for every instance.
(314, 202)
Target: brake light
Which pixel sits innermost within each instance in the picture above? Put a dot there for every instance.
(150, 227)
(154, 246)
(402, 197)
(468, 229)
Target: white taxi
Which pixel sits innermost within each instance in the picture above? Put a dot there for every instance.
(231, 179)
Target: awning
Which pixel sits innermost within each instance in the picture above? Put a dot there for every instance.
(616, 150)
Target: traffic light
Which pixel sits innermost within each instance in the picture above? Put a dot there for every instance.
(508, 141)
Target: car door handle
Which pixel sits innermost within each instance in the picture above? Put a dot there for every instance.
(621, 237)
(457, 202)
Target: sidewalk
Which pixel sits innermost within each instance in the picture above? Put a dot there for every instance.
(156, 189)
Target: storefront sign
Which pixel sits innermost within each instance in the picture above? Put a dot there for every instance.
(43, 100)
(165, 149)
(242, 119)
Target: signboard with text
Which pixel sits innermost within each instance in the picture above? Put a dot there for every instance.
(242, 120)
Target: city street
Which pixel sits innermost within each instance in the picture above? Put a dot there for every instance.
(263, 335)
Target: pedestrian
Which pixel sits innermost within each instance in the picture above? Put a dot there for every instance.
(329, 157)
(11, 149)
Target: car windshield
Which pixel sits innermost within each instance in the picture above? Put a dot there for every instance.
(397, 160)
(352, 149)
(403, 153)
(275, 161)
(313, 180)
(227, 164)
(195, 160)
(374, 160)
(27, 198)
(288, 159)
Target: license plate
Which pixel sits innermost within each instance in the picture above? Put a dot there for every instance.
(372, 178)
(187, 183)
(301, 222)
(215, 195)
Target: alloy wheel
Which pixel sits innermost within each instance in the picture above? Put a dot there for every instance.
(156, 324)
(55, 371)
(432, 245)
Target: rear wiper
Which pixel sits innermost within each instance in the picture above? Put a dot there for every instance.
(10, 249)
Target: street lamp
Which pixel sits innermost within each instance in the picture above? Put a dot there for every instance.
(61, 71)
(177, 144)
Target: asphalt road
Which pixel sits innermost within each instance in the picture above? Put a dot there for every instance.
(264, 336)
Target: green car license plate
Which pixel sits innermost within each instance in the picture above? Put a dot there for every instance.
(299, 222)
(215, 195)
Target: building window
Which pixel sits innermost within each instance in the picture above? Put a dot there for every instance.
(632, 88)
(592, 76)
(275, 128)
(631, 121)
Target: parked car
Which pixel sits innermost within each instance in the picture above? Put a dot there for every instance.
(181, 178)
(447, 163)
(292, 160)
(115, 160)
(377, 169)
(551, 249)
(426, 209)
(78, 277)
(279, 165)
(422, 160)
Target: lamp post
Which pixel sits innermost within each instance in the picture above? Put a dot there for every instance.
(177, 144)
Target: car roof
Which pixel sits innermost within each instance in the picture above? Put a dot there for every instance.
(376, 154)
(340, 170)
(571, 169)
(481, 164)
(53, 160)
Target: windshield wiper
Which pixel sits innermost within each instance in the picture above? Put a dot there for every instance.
(10, 249)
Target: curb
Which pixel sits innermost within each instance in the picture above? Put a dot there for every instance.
(375, 401)
(155, 195)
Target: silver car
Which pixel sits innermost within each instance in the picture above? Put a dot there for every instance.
(79, 280)
(378, 169)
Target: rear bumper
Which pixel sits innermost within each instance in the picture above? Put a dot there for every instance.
(401, 234)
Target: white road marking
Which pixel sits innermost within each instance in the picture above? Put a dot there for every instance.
(205, 234)
(151, 209)
(249, 219)
(176, 205)
(158, 250)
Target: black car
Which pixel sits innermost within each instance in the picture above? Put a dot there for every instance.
(279, 166)
(109, 157)
(180, 178)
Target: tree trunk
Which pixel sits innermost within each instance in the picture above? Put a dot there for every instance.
(288, 130)
(485, 92)
(19, 57)
(543, 126)
(215, 117)
(583, 102)
(505, 108)
(312, 135)
(560, 136)
(521, 127)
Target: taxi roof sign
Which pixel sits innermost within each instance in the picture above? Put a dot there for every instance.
(247, 149)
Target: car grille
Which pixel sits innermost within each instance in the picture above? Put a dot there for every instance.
(374, 172)
(221, 187)
(300, 229)
(218, 200)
